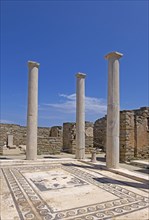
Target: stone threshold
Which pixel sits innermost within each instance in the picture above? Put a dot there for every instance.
(10, 162)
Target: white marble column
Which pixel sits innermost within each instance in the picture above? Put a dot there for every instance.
(80, 116)
(32, 113)
(112, 139)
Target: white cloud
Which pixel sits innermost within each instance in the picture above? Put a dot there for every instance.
(3, 121)
(68, 105)
(95, 105)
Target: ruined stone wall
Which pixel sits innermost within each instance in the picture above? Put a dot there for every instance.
(127, 135)
(50, 140)
(100, 133)
(141, 121)
(18, 132)
(56, 131)
(49, 145)
(134, 134)
(69, 137)
(47, 142)
(89, 136)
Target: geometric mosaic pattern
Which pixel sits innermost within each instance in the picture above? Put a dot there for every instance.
(54, 180)
(30, 204)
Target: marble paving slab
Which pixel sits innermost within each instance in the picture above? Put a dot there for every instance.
(71, 191)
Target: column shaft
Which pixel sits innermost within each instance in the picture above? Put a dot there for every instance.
(32, 113)
(112, 140)
(80, 116)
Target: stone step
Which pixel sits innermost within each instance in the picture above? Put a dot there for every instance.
(140, 163)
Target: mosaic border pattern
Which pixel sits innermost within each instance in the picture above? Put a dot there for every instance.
(31, 206)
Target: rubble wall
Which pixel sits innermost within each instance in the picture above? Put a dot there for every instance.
(47, 142)
(134, 134)
(69, 137)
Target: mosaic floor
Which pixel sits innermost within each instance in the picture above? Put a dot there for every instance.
(71, 191)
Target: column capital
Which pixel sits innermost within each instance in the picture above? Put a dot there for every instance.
(33, 64)
(113, 54)
(80, 75)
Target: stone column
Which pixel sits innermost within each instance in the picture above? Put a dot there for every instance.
(32, 113)
(80, 116)
(112, 139)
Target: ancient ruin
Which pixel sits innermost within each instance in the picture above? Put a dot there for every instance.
(40, 188)
(82, 137)
(49, 139)
(69, 137)
(134, 134)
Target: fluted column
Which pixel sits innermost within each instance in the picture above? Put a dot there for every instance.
(80, 116)
(112, 140)
(32, 113)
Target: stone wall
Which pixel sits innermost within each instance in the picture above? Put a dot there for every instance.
(127, 135)
(99, 133)
(141, 121)
(134, 134)
(56, 131)
(47, 142)
(18, 132)
(89, 136)
(69, 137)
(49, 145)
(50, 141)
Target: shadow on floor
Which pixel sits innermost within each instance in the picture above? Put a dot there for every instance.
(107, 180)
(145, 170)
(102, 159)
(49, 157)
(5, 158)
(97, 167)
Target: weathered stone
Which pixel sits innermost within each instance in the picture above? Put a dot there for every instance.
(32, 111)
(10, 140)
(44, 146)
(80, 116)
(134, 134)
(69, 137)
(56, 131)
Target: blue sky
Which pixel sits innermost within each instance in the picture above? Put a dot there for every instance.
(67, 37)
